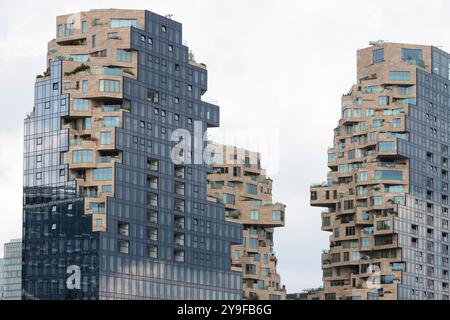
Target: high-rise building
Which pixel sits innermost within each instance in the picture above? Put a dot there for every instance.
(110, 212)
(11, 271)
(386, 196)
(238, 181)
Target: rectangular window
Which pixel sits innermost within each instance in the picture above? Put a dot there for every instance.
(372, 89)
(94, 41)
(365, 242)
(83, 156)
(107, 189)
(112, 71)
(386, 146)
(124, 56)
(80, 57)
(113, 35)
(121, 23)
(251, 188)
(80, 105)
(110, 86)
(84, 27)
(111, 122)
(388, 175)
(228, 199)
(405, 91)
(383, 100)
(253, 243)
(85, 86)
(87, 123)
(105, 137)
(254, 215)
(412, 55)
(378, 56)
(400, 75)
(277, 215)
(102, 174)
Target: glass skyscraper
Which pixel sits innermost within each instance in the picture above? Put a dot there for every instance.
(107, 213)
(11, 271)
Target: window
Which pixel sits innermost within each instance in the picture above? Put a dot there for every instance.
(94, 41)
(384, 225)
(80, 57)
(228, 199)
(365, 242)
(277, 215)
(383, 100)
(80, 105)
(153, 96)
(84, 27)
(102, 174)
(399, 75)
(85, 86)
(38, 176)
(153, 164)
(412, 55)
(251, 188)
(386, 146)
(376, 201)
(170, 48)
(152, 217)
(124, 246)
(98, 22)
(123, 229)
(189, 88)
(378, 56)
(143, 38)
(372, 89)
(111, 122)
(405, 91)
(107, 189)
(112, 71)
(82, 156)
(150, 41)
(177, 100)
(98, 223)
(105, 137)
(253, 243)
(110, 86)
(124, 56)
(388, 175)
(370, 112)
(121, 23)
(254, 215)
(113, 35)
(163, 28)
(152, 252)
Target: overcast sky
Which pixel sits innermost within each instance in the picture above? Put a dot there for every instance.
(280, 65)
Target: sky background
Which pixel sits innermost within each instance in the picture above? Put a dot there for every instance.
(277, 65)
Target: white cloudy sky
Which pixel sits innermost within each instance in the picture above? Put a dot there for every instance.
(280, 65)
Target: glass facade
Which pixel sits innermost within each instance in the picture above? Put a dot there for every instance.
(170, 243)
(11, 271)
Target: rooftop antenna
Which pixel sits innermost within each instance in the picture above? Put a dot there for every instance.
(169, 16)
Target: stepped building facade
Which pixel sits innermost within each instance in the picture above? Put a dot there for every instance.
(107, 212)
(238, 181)
(386, 196)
